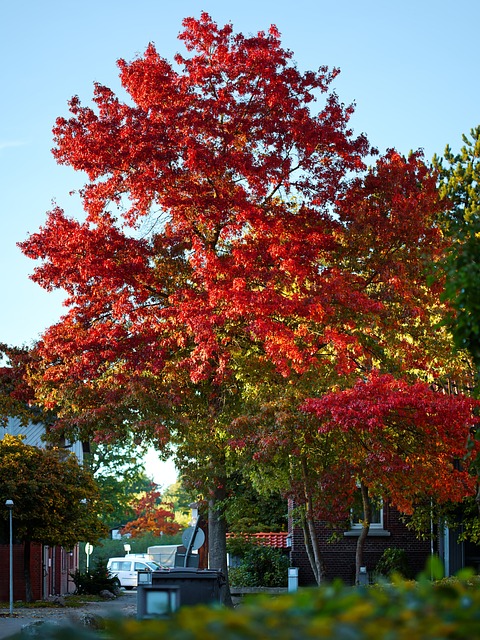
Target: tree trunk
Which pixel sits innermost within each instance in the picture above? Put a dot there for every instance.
(26, 570)
(310, 534)
(217, 540)
(312, 548)
(367, 517)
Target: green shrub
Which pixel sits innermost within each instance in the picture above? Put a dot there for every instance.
(401, 610)
(261, 567)
(393, 560)
(95, 581)
(239, 545)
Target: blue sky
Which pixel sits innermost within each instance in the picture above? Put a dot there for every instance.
(410, 67)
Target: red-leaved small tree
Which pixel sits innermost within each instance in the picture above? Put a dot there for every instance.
(403, 443)
(153, 516)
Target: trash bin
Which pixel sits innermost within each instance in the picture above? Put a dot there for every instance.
(195, 585)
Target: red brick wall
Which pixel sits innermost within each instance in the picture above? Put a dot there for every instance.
(339, 556)
(18, 577)
(60, 564)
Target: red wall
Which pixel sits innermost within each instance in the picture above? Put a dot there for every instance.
(50, 569)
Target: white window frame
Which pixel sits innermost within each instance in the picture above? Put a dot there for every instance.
(377, 524)
(375, 528)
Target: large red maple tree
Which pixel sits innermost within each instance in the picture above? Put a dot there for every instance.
(207, 209)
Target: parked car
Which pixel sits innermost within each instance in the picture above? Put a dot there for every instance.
(126, 568)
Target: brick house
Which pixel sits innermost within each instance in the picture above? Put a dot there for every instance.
(387, 531)
(50, 566)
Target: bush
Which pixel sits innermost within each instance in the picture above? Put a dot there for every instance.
(403, 609)
(261, 567)
(97, 580)
(393, 561)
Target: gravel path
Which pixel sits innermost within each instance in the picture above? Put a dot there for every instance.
(124, 605)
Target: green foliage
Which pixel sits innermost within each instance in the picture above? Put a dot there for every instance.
(56, 501)
(459, 183)
(435, 570)
(120, 475)
(261, 567)
(470, 529)
(423, 610)
(95, 581)
(182, 498)
(108, 548)
(239, 546)
(16, 397)
(393, 561)
(249, 511)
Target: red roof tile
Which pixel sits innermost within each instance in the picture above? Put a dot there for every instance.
(278, 540)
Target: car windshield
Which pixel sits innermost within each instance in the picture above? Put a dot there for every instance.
(153, 565)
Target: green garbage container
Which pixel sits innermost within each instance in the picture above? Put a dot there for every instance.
(195, 585)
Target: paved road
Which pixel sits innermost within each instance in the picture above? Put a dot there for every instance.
(124, 605)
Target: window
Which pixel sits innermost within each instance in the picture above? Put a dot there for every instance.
(357, 514)
(120, 566)
(376, 524)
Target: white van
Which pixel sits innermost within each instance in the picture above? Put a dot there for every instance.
(125, 568)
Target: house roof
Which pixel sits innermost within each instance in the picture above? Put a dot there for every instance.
(277, 539)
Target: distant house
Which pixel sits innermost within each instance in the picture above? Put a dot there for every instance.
(387, 531)
(50, 566)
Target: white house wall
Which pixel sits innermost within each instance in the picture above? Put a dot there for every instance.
(34, 434)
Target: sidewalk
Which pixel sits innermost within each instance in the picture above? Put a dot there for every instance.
(124, 605)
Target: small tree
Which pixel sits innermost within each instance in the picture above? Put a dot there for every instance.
(398, 441)
(95, 581)
(49, 489)
(393, 560)
(152, 515)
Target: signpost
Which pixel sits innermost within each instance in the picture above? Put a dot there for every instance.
(88, 551)
(192, 538)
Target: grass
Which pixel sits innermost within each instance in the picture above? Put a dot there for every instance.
(72, 601)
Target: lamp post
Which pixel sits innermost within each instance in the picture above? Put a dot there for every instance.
(9, 505)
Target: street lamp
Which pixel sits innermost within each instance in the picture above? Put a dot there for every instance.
(9, 505)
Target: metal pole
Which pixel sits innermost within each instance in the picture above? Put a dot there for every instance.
(9, 505)
(11, 565)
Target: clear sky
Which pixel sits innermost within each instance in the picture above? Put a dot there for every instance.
(411, 67)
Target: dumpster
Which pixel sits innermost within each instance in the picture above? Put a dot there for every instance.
(195, 586)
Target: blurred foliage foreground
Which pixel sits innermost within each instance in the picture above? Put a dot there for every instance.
(414, 610)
